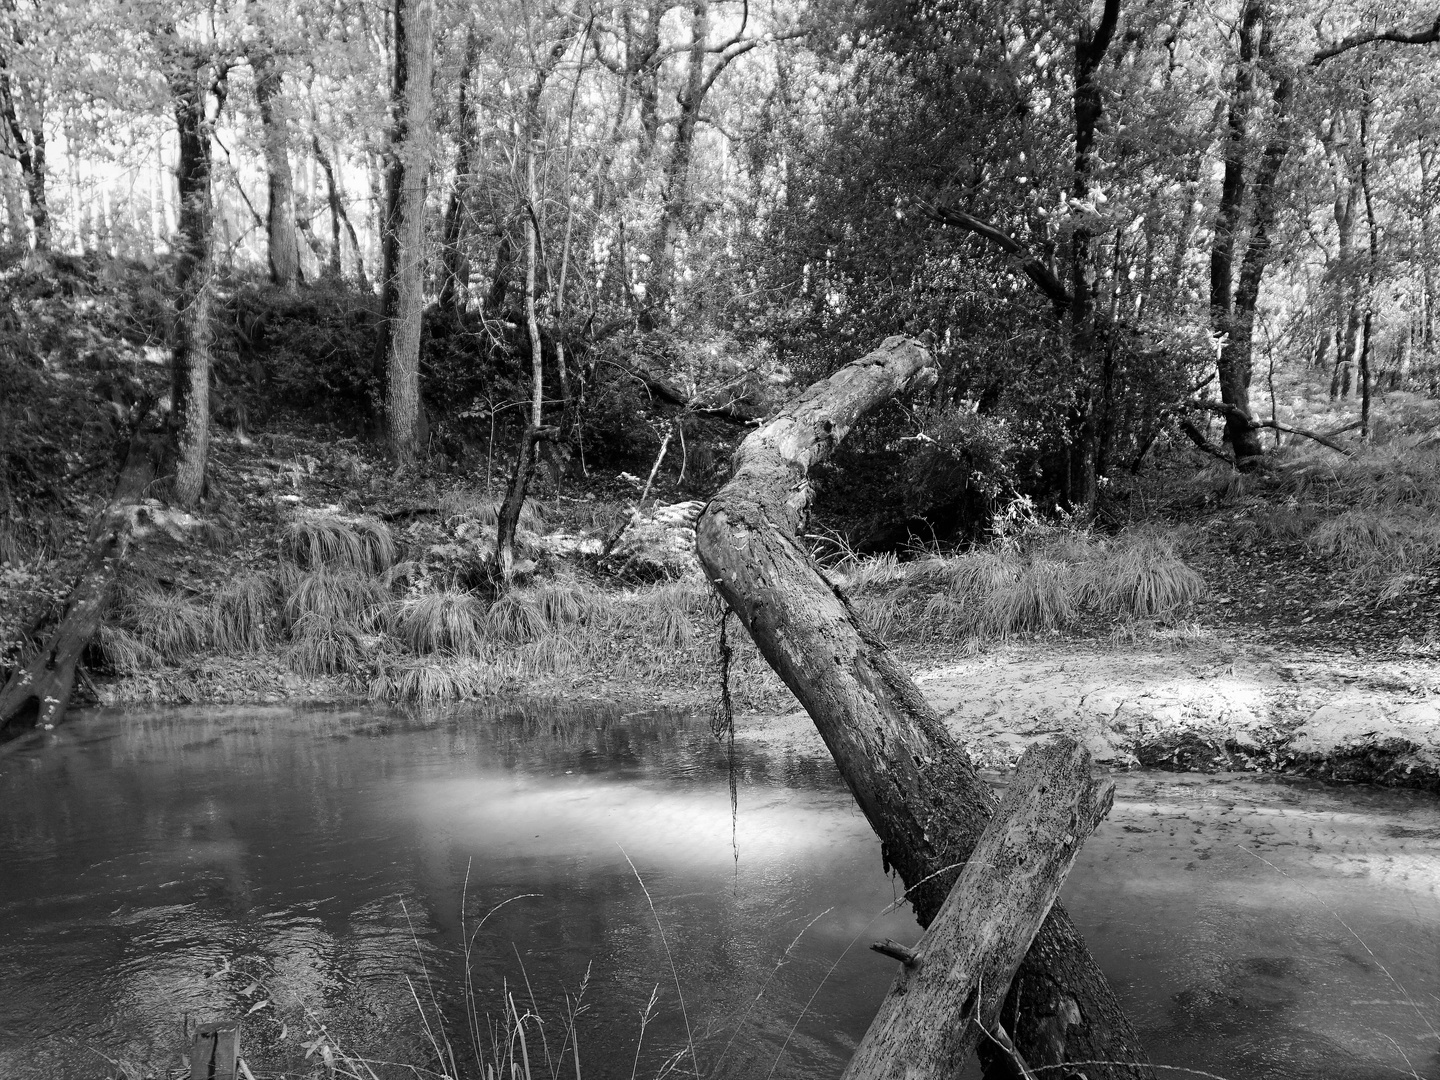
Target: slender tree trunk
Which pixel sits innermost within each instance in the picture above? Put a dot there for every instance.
(1372, 265)
(500, 276)
(339, 217)
(283, 245)
(29, 150)
(16, 231)
(646, 68)
(1234, 375)
(914, 783)
(194, 286)
(405, 232)
(675, 199)
(509, 519)
(455, 265)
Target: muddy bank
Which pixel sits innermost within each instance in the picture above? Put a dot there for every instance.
(1200, 709)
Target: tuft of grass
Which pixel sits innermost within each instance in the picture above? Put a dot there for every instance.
(431, 682)
(516, 618)
(1380, 543)
(459, 505)
(1144, 578)
(863, 575)
(174, 626)
(336, 595)
(1039, 597)
(563, 604)
(240, 615)
(452, 621)
(324, 645)
(124, 652)
(324, 541)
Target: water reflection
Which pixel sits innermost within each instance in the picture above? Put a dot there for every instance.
(154, 863)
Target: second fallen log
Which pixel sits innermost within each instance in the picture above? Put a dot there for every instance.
(951, 987)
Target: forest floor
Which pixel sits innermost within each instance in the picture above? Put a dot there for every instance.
(1310, 642)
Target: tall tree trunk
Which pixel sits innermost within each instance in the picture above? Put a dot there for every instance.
(1237, 353)
(194, 284)
(645, 68)
(29, 151)
(404, 243)
(283, 244)
(1242, 435)
(1091, 43)
(915, 784)
(455, 264)
(675, 197)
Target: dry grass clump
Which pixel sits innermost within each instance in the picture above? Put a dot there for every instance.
(1144, 578)
(1391, 475)
(461, 505)
(1380, 543)
(1046, 580)
(452, 622)
(564, 603)
(324, 645)
(241, 614)
(174, 626)
(320, 541)
(516, 618)
(336, 595)
(431, 682)
(124, 652)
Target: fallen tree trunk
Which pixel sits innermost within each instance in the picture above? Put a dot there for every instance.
(39, 691)
(914, 783)
(963, 966)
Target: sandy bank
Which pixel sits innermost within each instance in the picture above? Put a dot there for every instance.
(1199, 709)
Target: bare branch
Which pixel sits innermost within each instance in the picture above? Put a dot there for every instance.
(1428, 36)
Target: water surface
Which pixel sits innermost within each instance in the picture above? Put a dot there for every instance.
(154, 866)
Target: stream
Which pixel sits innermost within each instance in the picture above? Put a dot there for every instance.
(348, 867)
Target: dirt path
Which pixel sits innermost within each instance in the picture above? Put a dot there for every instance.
(1199, 708)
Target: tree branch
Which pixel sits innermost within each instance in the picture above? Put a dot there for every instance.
(1043, 277)
(1428, 36)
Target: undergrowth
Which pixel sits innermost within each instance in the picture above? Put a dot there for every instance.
(343, 604)
(1044, 579)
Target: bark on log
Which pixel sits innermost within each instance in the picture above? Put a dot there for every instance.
(964, 964)
(914, 783)
(39, 691)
